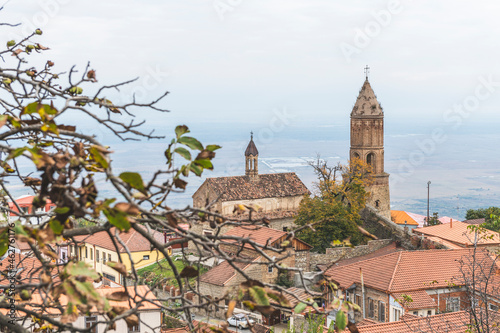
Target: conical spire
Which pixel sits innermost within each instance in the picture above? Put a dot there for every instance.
(251, 148)
(366, 104)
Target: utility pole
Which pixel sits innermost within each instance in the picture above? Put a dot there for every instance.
(428, 193)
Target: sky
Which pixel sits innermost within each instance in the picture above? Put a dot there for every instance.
(278, 67)
(237, 60)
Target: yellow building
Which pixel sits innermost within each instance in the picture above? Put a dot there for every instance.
(98, 249)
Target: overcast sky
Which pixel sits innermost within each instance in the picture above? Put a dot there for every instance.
(237, 60)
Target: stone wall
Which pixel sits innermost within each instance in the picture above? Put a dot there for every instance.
(334, 254)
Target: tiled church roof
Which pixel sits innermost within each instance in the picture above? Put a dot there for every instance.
(367, 104)
(273, 185)
(251, 149)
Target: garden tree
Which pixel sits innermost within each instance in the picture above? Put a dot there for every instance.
(335, 208)
(434, 219)
(481, 213)
(59, 162)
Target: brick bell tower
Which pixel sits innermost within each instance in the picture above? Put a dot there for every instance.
(367, 144)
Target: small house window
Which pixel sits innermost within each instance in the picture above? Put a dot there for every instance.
(91, 255)
(91, 322)
(103, 257)
(453, 304)
(109, 256)
(493, 307)
(145, 257)
(377, 204)
(97, 255)
(109, 277)
(371, 308)
(429, 312)
(415, 313)
(270, 269)
(86, 252)
(381, 312)
(397, 314)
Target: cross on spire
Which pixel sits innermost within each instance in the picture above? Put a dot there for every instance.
(367, 71)
(251, 135)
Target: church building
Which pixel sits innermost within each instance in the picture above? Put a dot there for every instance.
(278, 194)
(367, 144)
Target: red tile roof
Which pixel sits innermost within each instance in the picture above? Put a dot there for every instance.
(400, 217)
(221, 274)
(419, 300)
(454, 322)
(132, 239)
(275, 185)
(457, 232)
(260, 235)
(404, 271)
(475, 221)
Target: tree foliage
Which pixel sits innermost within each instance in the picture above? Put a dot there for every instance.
(335, 208)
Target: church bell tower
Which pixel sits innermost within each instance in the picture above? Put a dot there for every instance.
(367, 144)
(252, 160)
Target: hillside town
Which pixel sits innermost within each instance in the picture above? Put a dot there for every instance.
(410, 273)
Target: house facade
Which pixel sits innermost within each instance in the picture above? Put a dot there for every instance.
(98, 249)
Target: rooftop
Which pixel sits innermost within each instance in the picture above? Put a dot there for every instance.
(366, 103)
(221, 274)
(274, 185)
(134, 241)
(458, 233)
(396, 272)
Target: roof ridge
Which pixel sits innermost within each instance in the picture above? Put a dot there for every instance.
(395, 269)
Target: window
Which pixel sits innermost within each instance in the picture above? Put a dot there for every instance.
(381, 312)
(493, 307)
(371, 308)
(285, 229)
(415, 313)
(91, 322)
(429, 312)
(358, 300)
(270, 269)
(109, 256)
(97, 255)
(103, 257)
(453, 304)
(347, 296)
(397, 314)
(86, 252)
(91, 254)
(109, 277)
(145, 257)
(135, 328)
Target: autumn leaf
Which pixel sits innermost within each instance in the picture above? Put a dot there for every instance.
(230, 308)
(127, 208)
(181, 130)
(118, 266)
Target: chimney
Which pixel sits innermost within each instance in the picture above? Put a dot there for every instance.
(451, 223)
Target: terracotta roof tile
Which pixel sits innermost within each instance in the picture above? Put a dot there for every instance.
(260, 235)
(457, 232)
(132, 239)
(419, 300)
(475, 221)
(454, 322)
(404, 271)
(275, 185)
(222, 273)
(400, 217)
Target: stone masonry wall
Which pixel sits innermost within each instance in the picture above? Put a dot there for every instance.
(333, 254)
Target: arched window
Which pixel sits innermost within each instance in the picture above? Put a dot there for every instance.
(377, 204)
(355, 155)
(370, 160)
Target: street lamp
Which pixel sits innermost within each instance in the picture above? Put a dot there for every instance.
(428, 192)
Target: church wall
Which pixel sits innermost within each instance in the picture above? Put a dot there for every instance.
(267, 204)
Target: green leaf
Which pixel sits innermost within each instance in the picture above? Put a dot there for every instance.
(213, 147)
(39, 108)
(259, 296)
(80, 268)
(117, 218)
(190, 142)
(61, 210)
(205, 163)
(4, 241)
(16, 152)
(196, 169)
(300, 307)
(133, 179)
(180, 130)
(341, 321)
(183, 152)
(56, 226)
(99, 157)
